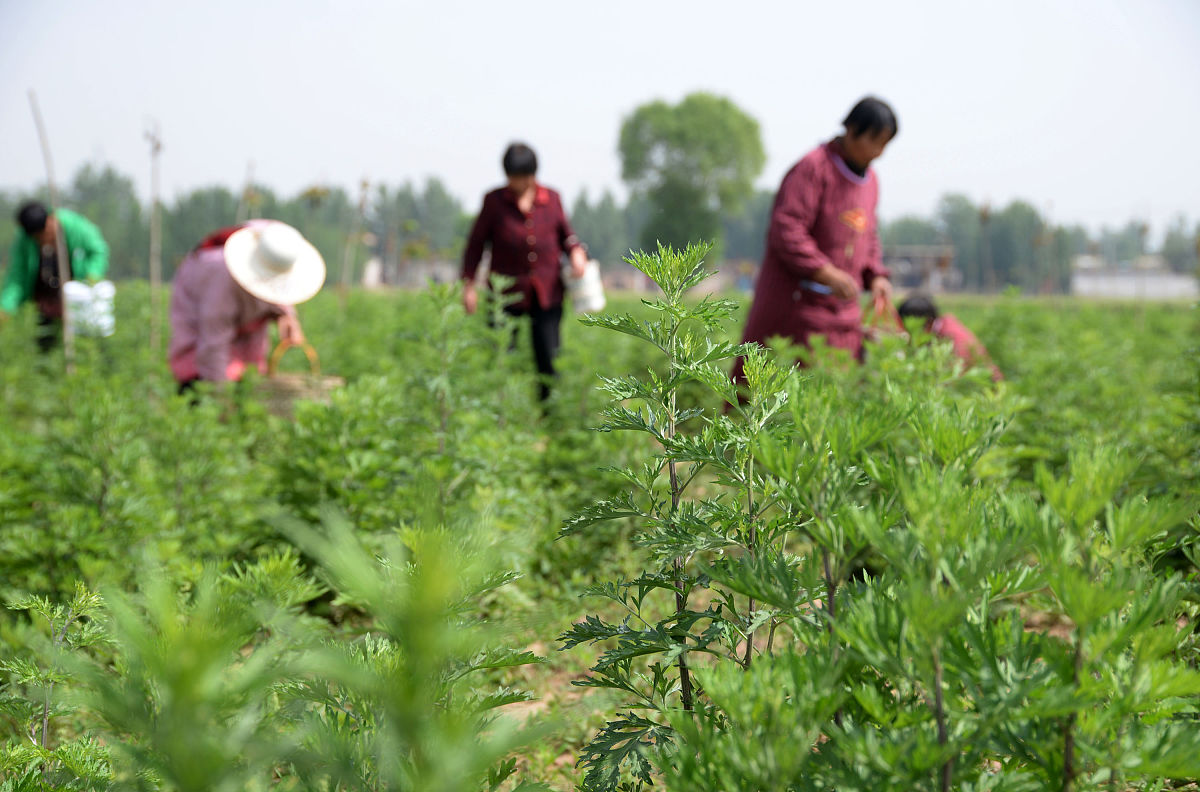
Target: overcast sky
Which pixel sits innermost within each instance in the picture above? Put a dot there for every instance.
(1089, 109)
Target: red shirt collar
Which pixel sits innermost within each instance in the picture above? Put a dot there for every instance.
(218, 238)
(838, 154)
(540, 198)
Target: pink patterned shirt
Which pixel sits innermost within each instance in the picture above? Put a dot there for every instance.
(966, 346)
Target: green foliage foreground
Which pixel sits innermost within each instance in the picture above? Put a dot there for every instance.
(893, 576)
(845, 591)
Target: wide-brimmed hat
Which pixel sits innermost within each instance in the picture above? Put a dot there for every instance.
(275, 263)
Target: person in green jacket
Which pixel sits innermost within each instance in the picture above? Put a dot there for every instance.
(33, 264)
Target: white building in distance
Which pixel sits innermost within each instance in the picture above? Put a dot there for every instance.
(1147, 278)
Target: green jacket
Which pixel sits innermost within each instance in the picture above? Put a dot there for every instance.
(86, 248)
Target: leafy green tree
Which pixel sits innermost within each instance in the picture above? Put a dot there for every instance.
(394, 218)
(9, 201)
(109, 199)
(1123, 245)
(1181, 246)
(440, 214)
(745, 232)
(602, 226)
(1012, 246)
(1067, 243)
(192, 217)
(910, 230)
(692, 161)
(1013, 235)
(323, 215)
(960, 221)
(417, 224)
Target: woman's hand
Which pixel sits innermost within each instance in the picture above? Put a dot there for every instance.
(842, 283)
(579, 261)
(289, 329)
(881, 289)
(470, 297)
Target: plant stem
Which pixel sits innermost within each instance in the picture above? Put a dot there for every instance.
(940, 713)
(831, 609)
(1069, 771)
(59, 638)
(1114, 773)
(443, 405)
(685, 677)
(753, 547)
(46, 716)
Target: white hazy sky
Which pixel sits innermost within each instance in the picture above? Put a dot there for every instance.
(1089, 109)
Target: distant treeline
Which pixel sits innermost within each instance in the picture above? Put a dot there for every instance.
(996, 248)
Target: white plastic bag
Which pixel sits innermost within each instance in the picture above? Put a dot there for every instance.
(587, 291)
(91, 307)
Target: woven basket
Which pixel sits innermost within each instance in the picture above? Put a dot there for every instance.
(280, 391)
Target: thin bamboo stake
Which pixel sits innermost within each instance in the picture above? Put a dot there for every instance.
(155, 139)
(244, 209)
(60, 244)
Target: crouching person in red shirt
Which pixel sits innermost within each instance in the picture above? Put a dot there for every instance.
(528, 232)
(946, 326)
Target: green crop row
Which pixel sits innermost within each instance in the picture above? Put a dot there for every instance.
(893, 576)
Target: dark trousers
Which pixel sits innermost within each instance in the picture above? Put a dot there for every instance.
(544, 326)
(49, 333)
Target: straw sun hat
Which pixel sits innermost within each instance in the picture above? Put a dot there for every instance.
(272, 261)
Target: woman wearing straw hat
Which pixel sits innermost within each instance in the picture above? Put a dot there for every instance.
(227, 291)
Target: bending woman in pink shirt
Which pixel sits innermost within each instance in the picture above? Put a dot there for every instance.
(822, 241)
(229, 289)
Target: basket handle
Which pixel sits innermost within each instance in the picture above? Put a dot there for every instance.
(885, 313)
(314, 362)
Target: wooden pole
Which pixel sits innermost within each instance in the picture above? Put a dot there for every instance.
(64, 264)
(244, 210)
(155, 139)
(989, 272)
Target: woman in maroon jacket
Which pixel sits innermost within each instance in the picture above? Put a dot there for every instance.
(822, 241)
(528, 231)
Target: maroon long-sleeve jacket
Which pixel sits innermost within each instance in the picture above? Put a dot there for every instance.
(527, 247)
(824, 213)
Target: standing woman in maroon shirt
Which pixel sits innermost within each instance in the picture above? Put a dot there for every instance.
(527, 229)
(823, 241)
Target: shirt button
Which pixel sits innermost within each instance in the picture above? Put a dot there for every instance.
(529, 223)
(531, 239)
(532, 257)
